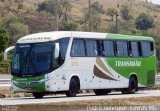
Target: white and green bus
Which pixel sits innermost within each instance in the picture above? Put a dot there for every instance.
(67, 61)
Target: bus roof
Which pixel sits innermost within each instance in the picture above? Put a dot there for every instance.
(51, 36)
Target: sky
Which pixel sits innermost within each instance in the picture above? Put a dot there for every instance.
(155, 1)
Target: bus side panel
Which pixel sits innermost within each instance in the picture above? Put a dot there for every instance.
(144, 69)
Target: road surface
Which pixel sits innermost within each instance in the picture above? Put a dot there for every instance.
(80, 97)
(5, 81)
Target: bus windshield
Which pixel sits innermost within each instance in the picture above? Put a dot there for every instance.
(32, 59)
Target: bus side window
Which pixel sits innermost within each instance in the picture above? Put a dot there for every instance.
(63, 49)
(140, 48)
(134, 49)
(151, 47)
(147, 48)
(121, 49)
(78, 48)
(108, 48)
(130, 49)
(93, 48)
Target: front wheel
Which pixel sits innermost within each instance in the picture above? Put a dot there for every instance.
(73, 88)
(38, 95)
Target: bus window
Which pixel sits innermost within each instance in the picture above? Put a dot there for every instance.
(133, 49)
(92, 48)
(121, 49)
(78, 48)
(63, 46)
(147, 48)
(63, 49)
(108, 48)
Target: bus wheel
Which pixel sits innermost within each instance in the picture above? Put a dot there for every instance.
(38, 95)
(133, 85)
(101, 91)
(73, 88)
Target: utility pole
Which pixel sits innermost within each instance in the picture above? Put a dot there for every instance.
(56, 16)
(116, 13)
(89, 11)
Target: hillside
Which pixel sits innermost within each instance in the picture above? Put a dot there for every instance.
(78, 8)
(39, 21)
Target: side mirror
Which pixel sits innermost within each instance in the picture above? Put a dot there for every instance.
(56, 50)
(6, 52)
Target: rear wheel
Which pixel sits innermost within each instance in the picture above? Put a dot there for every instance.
(133, 86)
(101, 91)
(73, 88)
(38, 95)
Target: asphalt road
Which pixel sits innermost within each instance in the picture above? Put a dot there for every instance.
(5, 80)
(80, 97)
(5, 76)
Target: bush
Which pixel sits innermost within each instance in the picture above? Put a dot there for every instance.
(68, 26)
(144, 21)
(125, 12)
(3, 39)
(111, 12)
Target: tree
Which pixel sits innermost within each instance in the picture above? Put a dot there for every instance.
(95, 15)
(19, 4)
(68, 26)
(15, 26)
(47, 6)
(96, 8)
(144, 21)
(64, 6)
(125, 12)
(111, 12)
(17, 30)
(4, 37)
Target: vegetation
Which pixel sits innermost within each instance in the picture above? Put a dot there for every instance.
(125, 12)
(96, 12)
(14, 25)
(111, 12)
(68, 26)
(144, 21)
(3, 39)
(22, 17)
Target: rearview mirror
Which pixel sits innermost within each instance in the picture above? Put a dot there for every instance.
(56, 51)
(6, 52)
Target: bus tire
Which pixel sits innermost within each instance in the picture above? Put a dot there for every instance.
(101, 91)
(133, 86)
(38, 95)
(73, 88)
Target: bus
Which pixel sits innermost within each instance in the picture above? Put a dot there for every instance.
(70, 61)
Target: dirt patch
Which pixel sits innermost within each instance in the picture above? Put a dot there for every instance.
(10, 94)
